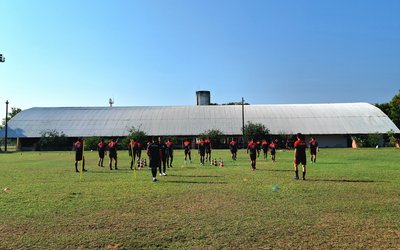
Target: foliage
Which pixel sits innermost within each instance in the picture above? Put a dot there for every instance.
(392, 139)
(214, 135)
(255, 131)
(91, 142)
(368, 140)
(135, 134)
(53, 140)
(14, 112)
(392, 109)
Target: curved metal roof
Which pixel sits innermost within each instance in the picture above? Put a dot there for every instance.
(342, 118)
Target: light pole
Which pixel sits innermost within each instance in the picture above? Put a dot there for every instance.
(5, 137)
(243, 120)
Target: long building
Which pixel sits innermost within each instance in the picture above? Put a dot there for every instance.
(332, 124)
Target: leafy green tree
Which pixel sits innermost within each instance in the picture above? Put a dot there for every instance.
(214, 135)
(14, 112)
(91, 142)
(137, 135)
(255, 131)
(53, 140)
(394, 113)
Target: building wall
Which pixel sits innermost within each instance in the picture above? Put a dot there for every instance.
(331, 141)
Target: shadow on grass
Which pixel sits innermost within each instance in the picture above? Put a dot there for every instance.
(275, 170)
(344, 180)
(201, 176)
(196, 182)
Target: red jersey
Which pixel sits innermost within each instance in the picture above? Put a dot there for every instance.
(77, 145)
(272, 145)
(300, 147)
(169, 144)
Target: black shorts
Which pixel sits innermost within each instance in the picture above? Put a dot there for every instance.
(78, 156)
(202, 153)
(253, 157)
(273, 151)
(208, 151)
(113, 155)
(101, 154)
(154, 164)
(313, 151)
(301, 160)
(187, 151)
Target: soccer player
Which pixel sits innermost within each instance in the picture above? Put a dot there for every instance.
(101, 149)
(170, 153)
(153, 151)
(207, 144)
(272, 147)
(163, 156)
(233, 148)
(78, 145)
(313, 149)
(139, 147)
(186, 146)
(264, 146)
(132, 151)
(300, 147)
(252, 147)
(202, 151)
(258, 144)
(112, 153)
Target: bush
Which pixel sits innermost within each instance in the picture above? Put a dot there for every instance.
(53, 140)
(255, 131)
(215, 137)
(91, 142)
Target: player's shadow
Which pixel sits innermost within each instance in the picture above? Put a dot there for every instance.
(343, 180)
(275, 170)
(194, 176)
(196, 182)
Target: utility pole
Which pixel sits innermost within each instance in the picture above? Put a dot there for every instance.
(5, 137)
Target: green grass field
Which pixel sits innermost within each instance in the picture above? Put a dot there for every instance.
(349, 200)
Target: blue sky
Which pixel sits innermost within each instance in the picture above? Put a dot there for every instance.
(159, 52)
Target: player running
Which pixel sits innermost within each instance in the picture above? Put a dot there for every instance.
(252, 147)
(300, 147)
(186, 146)
(313, 149)
(78, 146)
(170, 153)
(112, 153)
(101, 149)
(233, 148)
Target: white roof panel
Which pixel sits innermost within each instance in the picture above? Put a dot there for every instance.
(342, 118)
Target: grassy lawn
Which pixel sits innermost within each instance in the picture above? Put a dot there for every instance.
(349, 200)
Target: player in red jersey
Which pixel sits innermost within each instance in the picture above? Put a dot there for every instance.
(170, 153)
(264, 146)
(202, 150)
(258, 144)
(272, 148)
(300, 147)
(101, 149)
(78, 145)
(186, 146)
(207, 144)
(132, 151)
(252, 148)
(139, 150)
(112, 153)
(313, 149)
(233, 148)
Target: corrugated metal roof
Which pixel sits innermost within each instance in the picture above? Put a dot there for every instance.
(342, 118)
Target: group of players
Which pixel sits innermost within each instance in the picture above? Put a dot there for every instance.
(161, 153)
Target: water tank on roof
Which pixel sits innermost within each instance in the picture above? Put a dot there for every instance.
(203, 97)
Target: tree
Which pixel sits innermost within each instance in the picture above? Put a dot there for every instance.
(255, 131)
(14, 112)
(137, 135)
(214, 135)
(53, 140)
(394, 113)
